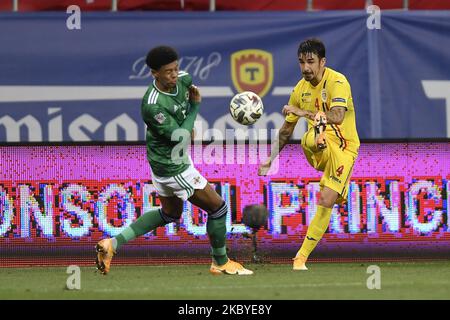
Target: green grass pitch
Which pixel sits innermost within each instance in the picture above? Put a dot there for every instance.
(399, 280)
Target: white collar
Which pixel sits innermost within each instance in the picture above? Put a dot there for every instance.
(166, 93)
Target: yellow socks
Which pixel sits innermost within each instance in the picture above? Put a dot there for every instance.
(316, 229)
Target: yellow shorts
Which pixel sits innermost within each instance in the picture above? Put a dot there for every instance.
(337, 165)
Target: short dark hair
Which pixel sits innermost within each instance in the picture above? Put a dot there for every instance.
(160, 56)
(312, 45)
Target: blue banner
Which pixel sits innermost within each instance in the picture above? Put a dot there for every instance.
(63, 84)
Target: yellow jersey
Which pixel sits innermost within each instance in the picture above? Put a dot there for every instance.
(332, 91)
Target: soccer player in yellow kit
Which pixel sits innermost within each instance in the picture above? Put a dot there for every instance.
(331, 143)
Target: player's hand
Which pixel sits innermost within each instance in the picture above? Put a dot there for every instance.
(264, 168)
(194, 94)
(291, 109)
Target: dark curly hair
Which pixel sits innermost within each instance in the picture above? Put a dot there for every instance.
(160, 56)
(312, 45)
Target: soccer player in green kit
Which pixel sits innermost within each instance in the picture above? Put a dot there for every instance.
(169, 109)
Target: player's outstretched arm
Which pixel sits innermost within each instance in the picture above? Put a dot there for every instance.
(282, 139)
(335, 115)
(287, 109)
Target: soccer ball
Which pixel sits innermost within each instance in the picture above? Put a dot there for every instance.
(246, 107)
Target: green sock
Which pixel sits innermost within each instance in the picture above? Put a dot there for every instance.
(217, 232)
(145, 223)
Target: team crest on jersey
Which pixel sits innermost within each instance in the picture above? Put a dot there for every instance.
(306, 97)
(323, 95)
(252, 70)
(186, 95)
(197, 180)
(160, 118)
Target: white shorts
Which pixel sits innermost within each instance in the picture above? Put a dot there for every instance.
(182, 185)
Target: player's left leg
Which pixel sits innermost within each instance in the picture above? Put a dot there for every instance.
(170, 211)
(334, 188)
(208, 200)
(317, 227)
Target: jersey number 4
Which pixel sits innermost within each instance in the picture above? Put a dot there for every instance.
(339, 171)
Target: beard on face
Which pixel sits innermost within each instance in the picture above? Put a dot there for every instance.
(308, 75)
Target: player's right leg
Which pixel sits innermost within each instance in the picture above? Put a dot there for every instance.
(171, 209)
(316, 158)
(208, 200)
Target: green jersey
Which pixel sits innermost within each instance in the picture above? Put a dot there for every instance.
(163, 113)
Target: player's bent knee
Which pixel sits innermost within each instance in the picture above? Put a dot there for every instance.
(217, 205)
(176, 215)
(219, 212)
(327, 197)
(171, 216)
(326, 201)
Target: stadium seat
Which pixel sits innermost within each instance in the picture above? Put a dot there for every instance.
(429, 4)
(6, 6)
(338, 4)
(199, 5)
(164, 5)
(61, 5)
(389, 4)
(221, 5)
(261, 5)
